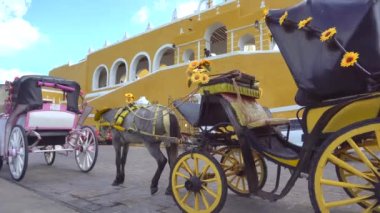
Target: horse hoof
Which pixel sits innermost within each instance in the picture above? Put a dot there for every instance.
(153, 190)
(168, 192)
(115, 183)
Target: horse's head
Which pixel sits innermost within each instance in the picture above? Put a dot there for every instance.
(100, 113)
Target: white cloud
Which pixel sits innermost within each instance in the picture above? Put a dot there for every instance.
(16, 33)
(187, 8)
(141, 16)
(10, 74)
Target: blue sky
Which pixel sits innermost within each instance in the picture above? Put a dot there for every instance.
(38, 35)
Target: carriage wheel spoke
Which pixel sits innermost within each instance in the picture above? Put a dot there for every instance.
(210, 191)
(196, 172)
(204, 170)
(210, 180)
(237, 182)
(187, 168)
(372, 154)
(371, 207)
(180, 186)
(363, 157)
(196, 201)
(243, 181)
(345, 184)
(184, 199)
(377, 133)
(204, 199)
(347, 201)
(348, 167)
(182, 175)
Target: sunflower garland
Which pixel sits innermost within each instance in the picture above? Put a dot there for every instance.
(328, 34)
(265, 12)
(197, 72)
(129, 98)
(283, 17)
(304, 23)
(349, 59)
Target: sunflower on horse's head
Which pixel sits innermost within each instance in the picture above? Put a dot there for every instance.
(197, 72)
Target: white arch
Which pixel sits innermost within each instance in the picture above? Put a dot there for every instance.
(135, 61)
(158, 56)
(114, 68)
(187, 54)
(244, 40)
(96, 75)
(210, 30)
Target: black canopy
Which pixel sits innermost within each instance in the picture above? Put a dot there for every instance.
(315, 65)
(26, 91)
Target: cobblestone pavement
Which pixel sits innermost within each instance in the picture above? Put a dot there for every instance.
(92, 192)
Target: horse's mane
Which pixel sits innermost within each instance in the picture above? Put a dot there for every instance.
(99, 113)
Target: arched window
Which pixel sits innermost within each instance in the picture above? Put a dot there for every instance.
(247, 43)
(118, 72)
(140, 66)
(216, 39)
(188, 55)
(100, 77)
(164, 57)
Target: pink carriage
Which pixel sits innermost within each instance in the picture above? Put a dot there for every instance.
(31, 125)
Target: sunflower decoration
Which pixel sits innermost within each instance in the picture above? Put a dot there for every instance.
(265, 12)
(304, 23)
(328, 34)
(129, 98)
(349, 59)
(283, 17)
(197, 72)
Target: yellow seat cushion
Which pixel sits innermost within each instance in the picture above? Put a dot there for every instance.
(268, 122)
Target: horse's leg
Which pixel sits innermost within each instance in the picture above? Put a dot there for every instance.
(124, 160)
(154, 149)
(117, 147)
(172, 152)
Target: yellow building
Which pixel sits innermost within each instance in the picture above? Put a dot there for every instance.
(153, 63)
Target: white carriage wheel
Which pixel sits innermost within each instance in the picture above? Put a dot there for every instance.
(86, 152)
(17, 153)
(49, 156)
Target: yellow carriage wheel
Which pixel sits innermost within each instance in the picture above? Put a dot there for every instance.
(198, 183)
(345, 171)
(233, 166)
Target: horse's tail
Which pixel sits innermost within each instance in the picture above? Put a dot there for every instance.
(175, 130)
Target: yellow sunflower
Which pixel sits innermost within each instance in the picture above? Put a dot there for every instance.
(204, 78)
(349, 59)
(265, 12)
(193, 65)
(304, 22)
(129, 98)
(283, 17)
(196, 77)
(328, 34)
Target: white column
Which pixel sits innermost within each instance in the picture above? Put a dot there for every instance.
(178, 55)
(232, 41)
(199, 50)
(261, 35)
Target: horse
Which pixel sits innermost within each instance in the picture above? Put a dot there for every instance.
(149, 125)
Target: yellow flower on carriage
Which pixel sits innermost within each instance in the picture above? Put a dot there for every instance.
(328, 34)
(304, 22)
(193, 65)
(283, 17)
(265, 12)
(204, 78)
(196, 77)
(349, 59)
(129, 98)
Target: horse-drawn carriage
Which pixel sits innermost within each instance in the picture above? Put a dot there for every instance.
(31, 125)
(340, 117)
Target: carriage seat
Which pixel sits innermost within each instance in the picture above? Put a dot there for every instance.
(251, 114)
(268, 122)
(190, 111)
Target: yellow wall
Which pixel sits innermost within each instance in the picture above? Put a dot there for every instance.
(269, 68)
